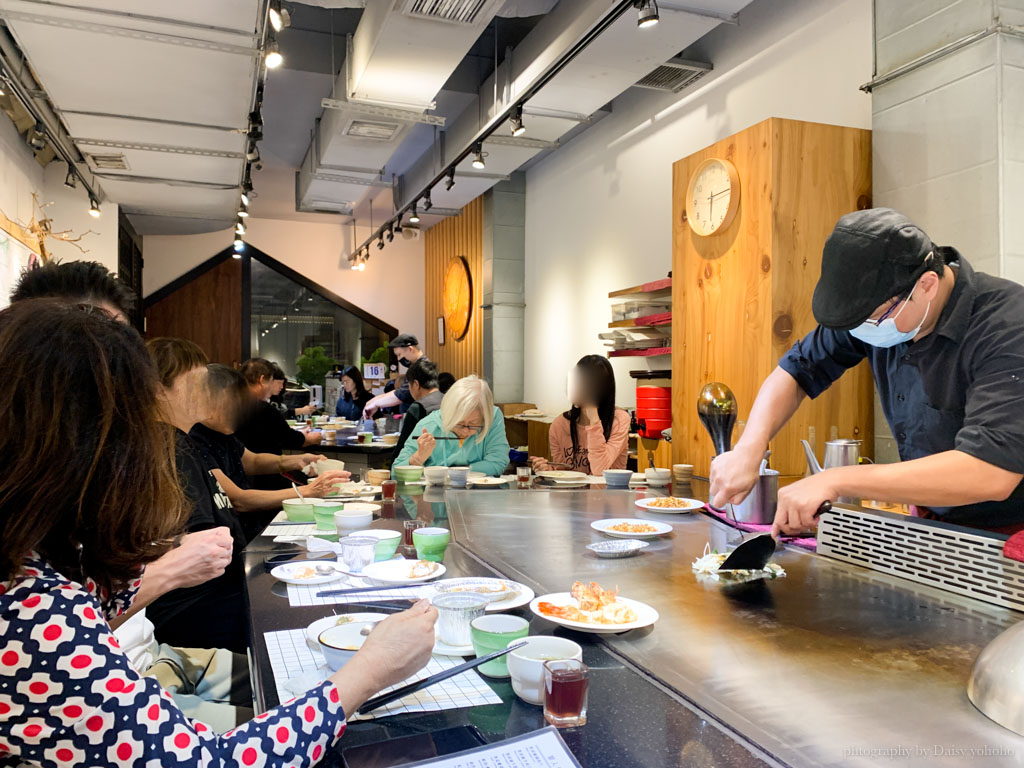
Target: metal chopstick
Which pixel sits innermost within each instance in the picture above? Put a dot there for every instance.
(426, 682)
(358, 590)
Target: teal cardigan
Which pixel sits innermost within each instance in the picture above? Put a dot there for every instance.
(489, 456)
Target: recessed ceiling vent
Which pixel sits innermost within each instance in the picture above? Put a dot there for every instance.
(107, 162)
(675, 74)
(464, 12)
(373, 129)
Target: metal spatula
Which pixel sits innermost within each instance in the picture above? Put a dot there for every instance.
(754, 553)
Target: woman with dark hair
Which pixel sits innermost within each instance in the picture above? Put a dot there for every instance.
(593, 435)
(354, 395)
(70, 561)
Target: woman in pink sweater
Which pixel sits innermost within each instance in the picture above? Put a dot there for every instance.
(593, 435)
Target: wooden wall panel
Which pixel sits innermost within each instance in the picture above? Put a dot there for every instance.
(460, 235)
(743, 296)
(207, 310)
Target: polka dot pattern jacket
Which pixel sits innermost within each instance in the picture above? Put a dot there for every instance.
(70, 697)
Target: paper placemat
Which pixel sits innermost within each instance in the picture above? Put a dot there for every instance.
(297, 668)
(297, 529)
(305, 594)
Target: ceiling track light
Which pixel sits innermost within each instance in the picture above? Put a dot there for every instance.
(239, 243)
(280, 16)
(253, 153)
(647, 13)
(391, 234)
(414, 218)
(37, 139)
(70, 181)
(427, 202)
(478, 159)
(398, 226)
(239, 228)
(450, 181)
(245, 200)
(94, 207)
(272, 55)
(243, 211)
(380, 243)
(518, 129)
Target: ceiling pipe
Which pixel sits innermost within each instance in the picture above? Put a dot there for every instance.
(500, 117)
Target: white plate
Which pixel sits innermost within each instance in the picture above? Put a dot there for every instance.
(522, 597)
(486, 482)
(560, 474)
(313, 630)
(692, 505)
(604, 525)
(284, 572)
(397, 572)
(645, 615)
(443, 649)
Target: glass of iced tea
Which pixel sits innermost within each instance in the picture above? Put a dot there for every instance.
(566, 682)
(408, 527)
(388, 489)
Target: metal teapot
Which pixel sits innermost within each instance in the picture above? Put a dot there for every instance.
(838, 453)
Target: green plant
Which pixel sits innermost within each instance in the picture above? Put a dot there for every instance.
(313, 365)
(379, 355)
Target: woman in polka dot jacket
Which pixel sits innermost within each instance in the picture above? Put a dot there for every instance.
(71, 560)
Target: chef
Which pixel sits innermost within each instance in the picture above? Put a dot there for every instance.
(946, 347)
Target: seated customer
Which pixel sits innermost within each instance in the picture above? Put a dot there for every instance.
(593, 435)
(70, 561)
(232, 463)
(422, 377)
(445, 381)
(469, 415)
(266, 430)
(354, 395)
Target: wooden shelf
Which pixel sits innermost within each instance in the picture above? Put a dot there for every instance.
(648, 321)
(652, 352)
(663, 286)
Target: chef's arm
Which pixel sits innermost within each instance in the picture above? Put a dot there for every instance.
(947, 479)
(734, 473)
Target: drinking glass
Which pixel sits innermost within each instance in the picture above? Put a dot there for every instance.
(388, 489)
(357, 552)
(410, 526)
(454, 614)
(566, 684)
(523, 476)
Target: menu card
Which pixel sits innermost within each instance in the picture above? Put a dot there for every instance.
(538, 749)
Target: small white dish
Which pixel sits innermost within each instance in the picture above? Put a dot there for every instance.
(658, 477)
(313, 630)
(605, 527)
(561, 474)
(286, 572)
(389, 572)
(691, 505)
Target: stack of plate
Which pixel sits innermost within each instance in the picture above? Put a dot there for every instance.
(564, 479)
(682, 473)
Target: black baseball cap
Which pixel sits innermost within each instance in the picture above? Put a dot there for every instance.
(404, 340)
(870, 257)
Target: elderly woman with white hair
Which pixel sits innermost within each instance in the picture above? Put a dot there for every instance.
(473, 426)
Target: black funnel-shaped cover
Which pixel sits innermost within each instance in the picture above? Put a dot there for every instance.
(716, 406)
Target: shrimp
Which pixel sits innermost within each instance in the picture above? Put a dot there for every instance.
(591, 597)
(568, 612)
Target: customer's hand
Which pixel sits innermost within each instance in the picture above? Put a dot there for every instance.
(299, 461)
(539, 464)
(324, 483)
(314, 438)
(424, 449)
(733, 474)
(200, 557)
(305, 410)
(400, 646)
(590, 412)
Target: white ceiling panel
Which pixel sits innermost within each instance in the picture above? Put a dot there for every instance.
(115, 129)
(93, 72)
(170, 200)
(237, 15)
(147, 224)
(170, 165)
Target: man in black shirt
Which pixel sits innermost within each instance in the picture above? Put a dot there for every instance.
(946, 347)
(422, 378)
(407, 350)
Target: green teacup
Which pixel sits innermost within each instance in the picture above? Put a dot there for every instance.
(323, 514)
(494, 632)
(431, 543)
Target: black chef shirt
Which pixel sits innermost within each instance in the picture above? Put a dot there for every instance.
(267, 431)
(960, 388)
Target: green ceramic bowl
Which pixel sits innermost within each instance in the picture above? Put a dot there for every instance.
(494, 632)
(407, 473)
(323, 514)
(431, 543)
(387, 542)
(299, 511)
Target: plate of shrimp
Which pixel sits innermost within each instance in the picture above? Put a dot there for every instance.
(588, 607)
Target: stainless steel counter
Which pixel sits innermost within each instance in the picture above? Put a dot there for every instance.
(831, 665)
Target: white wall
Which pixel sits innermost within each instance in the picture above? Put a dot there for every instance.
(21, 176)
(390, 288)
(598, 211)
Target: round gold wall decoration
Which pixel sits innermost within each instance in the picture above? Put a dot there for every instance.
(458, 297)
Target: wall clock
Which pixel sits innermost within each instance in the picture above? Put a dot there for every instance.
(712, 196)
(458, 297)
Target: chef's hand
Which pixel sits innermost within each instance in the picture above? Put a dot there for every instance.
(733, 474)
(424, 449)
(798, 503)
(370, 408)
(539, 464)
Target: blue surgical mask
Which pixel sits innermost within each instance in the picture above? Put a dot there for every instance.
(885, 334)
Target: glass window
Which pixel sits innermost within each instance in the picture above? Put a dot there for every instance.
(287, 318)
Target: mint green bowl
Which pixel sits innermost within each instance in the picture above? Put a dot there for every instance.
(407, 473)
(323, 514)
(299, 511)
